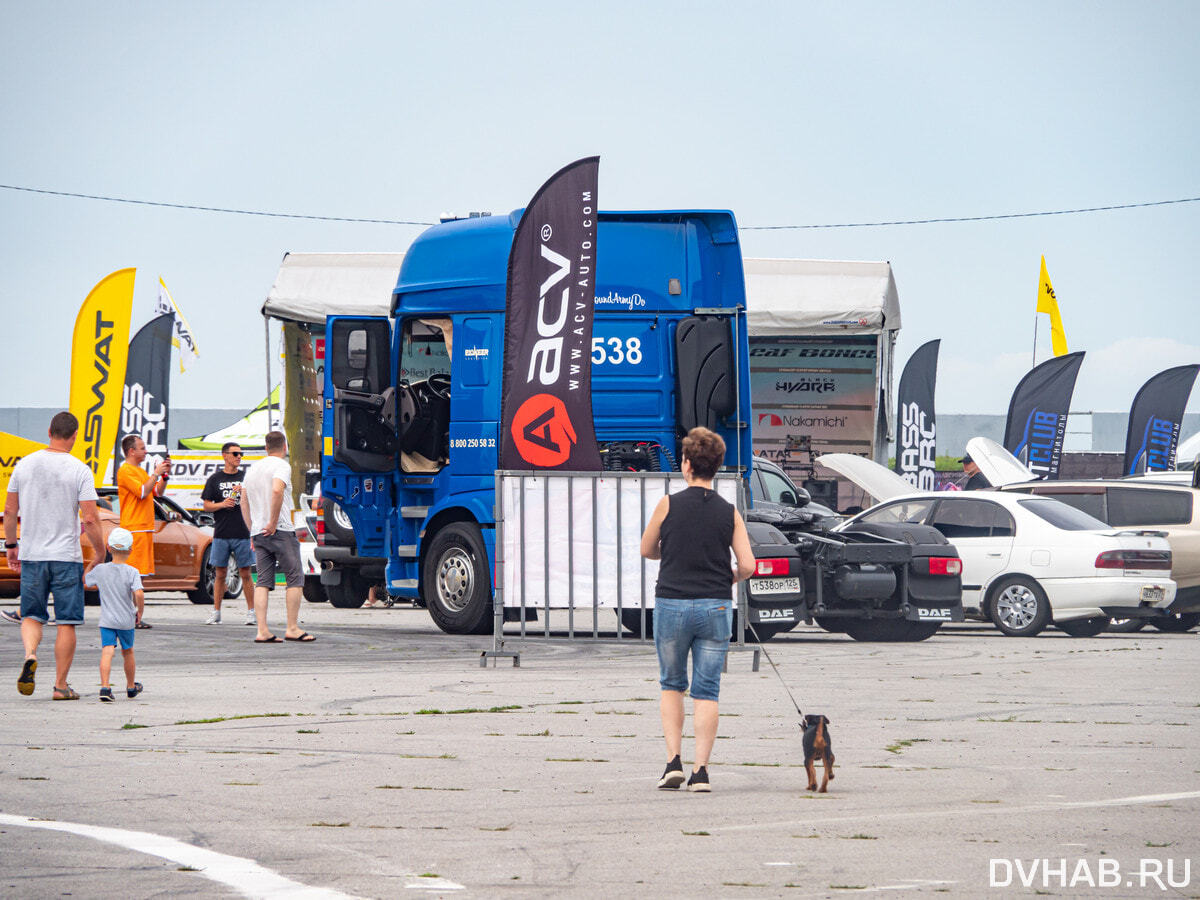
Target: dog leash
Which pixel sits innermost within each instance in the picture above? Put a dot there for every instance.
(750, 625)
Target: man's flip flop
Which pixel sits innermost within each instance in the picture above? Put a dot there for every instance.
(304, 638)
(25, 679)
(273, 639)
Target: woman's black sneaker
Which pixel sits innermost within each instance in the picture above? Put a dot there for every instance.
(672, 776)
(699, 780)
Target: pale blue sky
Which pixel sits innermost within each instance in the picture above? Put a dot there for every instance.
(786, 113)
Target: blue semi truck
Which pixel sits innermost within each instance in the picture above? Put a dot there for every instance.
(412, 402)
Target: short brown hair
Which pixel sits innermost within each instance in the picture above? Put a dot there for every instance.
(276, 440)
(705, 450)
(128, 441)
(63, 426)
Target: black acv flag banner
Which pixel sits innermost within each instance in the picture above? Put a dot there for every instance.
(145, 404)
(1155, 419)
(546, 415)
(1037, 414)
(916, 439)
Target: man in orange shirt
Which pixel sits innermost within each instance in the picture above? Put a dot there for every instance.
(136, 490)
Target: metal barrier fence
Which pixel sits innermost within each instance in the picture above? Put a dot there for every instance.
(570, 542)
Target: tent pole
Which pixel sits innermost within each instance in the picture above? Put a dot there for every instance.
(267, 360)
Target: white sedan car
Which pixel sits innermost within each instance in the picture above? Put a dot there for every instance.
(1027, 561)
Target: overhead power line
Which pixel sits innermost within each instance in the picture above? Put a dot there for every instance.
(280, 215)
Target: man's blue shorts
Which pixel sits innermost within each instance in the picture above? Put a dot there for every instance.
(702, 627)
(238, 548)
(40, 579)
(111, 637)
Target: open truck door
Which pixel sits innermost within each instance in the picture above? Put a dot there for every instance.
(360, 439)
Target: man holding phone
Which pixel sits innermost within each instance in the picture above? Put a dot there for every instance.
(136, 490)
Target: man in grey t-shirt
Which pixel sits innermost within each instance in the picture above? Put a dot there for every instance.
(49, 492)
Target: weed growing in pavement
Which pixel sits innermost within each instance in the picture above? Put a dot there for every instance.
(425, 756)
(186, 869)
(985, 801)
(328, 824)
(498, 828)
(389, 787)
(545, 733)
(308, 731)
(242, 783)
(899, 746)
(33, 778)
(229, 718)
(697, 834)
(420, 787)
(457, 712)
(741, 884)
(860, 837)
(1152, 844)
(128, 726)
(847, 887)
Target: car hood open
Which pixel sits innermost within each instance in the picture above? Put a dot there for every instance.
(997, 465)
(880, 482)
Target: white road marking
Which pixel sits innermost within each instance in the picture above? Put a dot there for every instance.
(242, 875)
(973, 810)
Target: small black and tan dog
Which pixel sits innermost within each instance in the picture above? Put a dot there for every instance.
(818, 744)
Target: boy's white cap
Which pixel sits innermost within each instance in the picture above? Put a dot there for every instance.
(120, 539)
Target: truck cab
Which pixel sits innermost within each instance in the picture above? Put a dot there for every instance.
(412, 402)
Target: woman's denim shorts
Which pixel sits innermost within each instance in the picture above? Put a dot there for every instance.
(702, 627)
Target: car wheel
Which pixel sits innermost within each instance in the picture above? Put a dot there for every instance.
(202, 594)
(314, 591)
(1085, 627)
(337, 524)
(1019, 607)
(350, 593)
(1178, 623)
(890, 631)
(458, 584)
(1126, 626)
(631, 621)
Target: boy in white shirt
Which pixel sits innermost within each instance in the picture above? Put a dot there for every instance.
(122, 602)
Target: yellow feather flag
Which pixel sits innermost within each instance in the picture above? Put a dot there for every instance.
(1047, 303)
(99, 352)
(12, 448)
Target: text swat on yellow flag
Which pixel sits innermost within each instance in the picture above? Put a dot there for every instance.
(12, 448)
(1047, 303)
(98, 354)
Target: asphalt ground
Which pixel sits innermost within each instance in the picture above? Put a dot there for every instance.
(382, 760)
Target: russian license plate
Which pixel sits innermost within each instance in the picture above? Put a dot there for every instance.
(775, 585)
(1153, 593)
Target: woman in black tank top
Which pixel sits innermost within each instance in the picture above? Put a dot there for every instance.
(692, 533)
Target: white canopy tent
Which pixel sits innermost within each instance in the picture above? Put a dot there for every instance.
(820, 297)
(311, 286)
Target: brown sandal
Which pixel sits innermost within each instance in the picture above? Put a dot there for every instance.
(67, 693)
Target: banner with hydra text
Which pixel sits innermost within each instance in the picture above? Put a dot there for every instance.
(1037, 414)
(916, 424)
(1155, 419)
(145, 404)
(546, 411)
(99, 351)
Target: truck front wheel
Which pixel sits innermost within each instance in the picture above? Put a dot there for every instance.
(457, 583)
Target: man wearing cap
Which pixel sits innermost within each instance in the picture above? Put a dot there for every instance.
(51, 491)
(136, 490)
(976, 480)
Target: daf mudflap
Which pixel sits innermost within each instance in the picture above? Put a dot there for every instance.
(875, 583)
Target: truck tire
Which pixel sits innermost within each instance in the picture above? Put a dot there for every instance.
(314, 591)
(350, 593)
(337, 524)
(631, 621)
(832, 624)
(457, 580)
(1019, 607)
(890, 631)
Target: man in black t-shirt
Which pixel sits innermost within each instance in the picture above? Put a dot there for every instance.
(976, 480)
(222, 497)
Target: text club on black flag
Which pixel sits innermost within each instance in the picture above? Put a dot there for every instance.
(546, 417)
(1155, 419)
(145, 403)
(916, 440)
(1037, 414)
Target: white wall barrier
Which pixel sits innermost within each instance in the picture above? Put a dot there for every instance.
(569, 543)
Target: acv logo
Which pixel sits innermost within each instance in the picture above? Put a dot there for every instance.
(542, 431)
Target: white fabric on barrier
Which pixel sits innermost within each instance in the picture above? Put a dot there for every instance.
(311, 286)
(583, 569)
(818, 296)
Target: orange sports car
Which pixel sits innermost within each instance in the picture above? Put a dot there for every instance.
(181, 552)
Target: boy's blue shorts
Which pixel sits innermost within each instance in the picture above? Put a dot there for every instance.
(111, 637)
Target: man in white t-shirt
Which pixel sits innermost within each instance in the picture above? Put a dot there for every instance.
(50, 490)
(267, 509)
